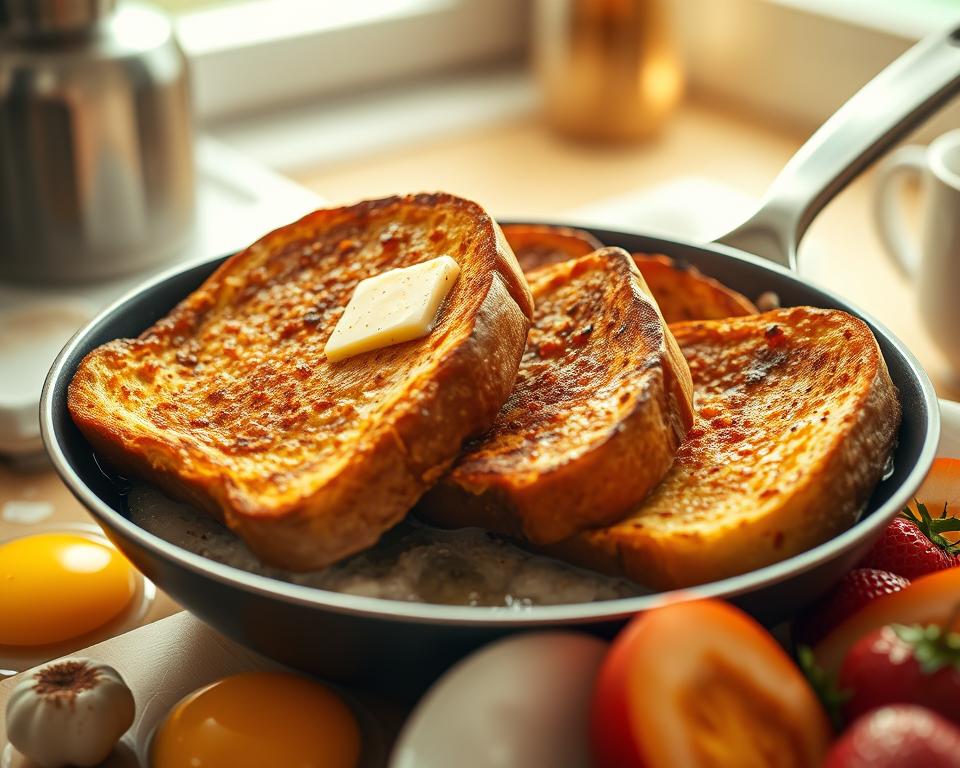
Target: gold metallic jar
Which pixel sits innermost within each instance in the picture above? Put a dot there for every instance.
(608, 69)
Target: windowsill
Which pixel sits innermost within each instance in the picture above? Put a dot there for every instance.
(790, 61)
(266, 54)
(326, 132)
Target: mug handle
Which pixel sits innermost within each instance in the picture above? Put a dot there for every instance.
(902, 165)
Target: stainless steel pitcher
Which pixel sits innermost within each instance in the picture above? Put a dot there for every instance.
(96, 148)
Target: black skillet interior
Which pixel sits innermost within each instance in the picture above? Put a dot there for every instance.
(144, 308)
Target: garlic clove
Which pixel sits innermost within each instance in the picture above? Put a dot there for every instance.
(70, 712)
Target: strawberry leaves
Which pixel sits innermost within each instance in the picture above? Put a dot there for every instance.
(824, 686)
(934, 527)
(934, 647)
(916, 543)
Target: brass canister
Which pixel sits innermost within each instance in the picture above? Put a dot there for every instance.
(608, 69)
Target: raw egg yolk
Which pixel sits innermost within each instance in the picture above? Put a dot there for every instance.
(57, 586)
(257, 719)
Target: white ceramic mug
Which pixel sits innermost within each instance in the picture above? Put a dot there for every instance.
(933, 265)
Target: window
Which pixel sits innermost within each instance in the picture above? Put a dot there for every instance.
(797, 61)
(250, 54)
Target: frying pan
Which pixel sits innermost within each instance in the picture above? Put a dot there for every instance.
(349, 637)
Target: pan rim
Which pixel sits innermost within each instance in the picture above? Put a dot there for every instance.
(119, 527)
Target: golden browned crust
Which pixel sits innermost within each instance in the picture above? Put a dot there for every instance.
(682, 291)
(229, 402)
(601, 403)
(685, 293)
(797, 417)
(539, 245)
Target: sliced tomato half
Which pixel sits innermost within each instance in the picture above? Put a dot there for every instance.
(702, 684)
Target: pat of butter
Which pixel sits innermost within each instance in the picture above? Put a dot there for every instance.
(392, 307)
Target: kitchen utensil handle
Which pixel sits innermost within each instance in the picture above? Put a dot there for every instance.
(878, 115)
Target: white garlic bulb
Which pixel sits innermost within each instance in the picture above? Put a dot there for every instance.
(69, 712)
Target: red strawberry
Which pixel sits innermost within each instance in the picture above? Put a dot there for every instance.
(901, 664)
(855, 590)
(913, 544)
(904, 736)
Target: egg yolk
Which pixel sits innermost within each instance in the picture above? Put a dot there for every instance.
(57, 586)
(258, 719)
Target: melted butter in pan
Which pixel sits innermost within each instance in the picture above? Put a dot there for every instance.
(412, 562)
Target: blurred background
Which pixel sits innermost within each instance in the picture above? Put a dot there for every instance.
(668, 116)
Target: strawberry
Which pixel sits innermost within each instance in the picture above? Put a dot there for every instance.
(913, 544)
(903, 664)
(931, 599)
(904, 736)
(855, 590)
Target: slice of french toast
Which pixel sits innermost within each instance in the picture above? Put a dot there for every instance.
(539, 245)
(682, 291)
(601, 404)
(797, 418)
(685, 293)
(229, 402)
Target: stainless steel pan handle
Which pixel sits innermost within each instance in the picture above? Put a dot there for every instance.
(881, 113)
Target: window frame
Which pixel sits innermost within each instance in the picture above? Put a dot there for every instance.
(248, 57)
(795, 62)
